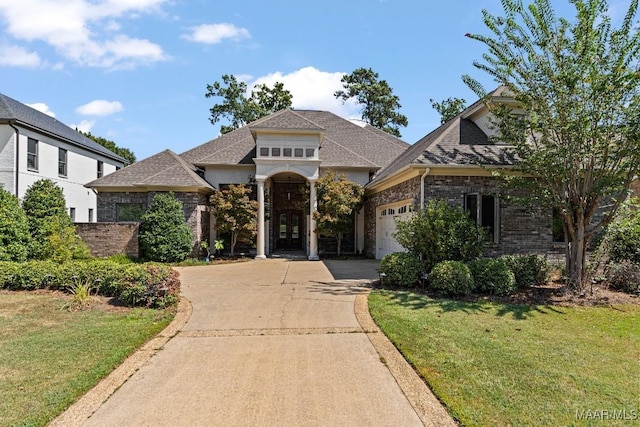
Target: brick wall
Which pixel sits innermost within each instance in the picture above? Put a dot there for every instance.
(110, 238)
(521, 230)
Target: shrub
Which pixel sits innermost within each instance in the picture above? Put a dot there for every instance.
(621, 241)
(492, 275)
(164, 233)
(528, 269)
(441, 232)
(134, 284)
(451, 278)
(150, 285)
(401, 268)
(53, 235)
(625, 277)
(14, 229)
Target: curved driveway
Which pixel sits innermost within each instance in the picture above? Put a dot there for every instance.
(269, 342)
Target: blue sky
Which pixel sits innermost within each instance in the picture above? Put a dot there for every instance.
(136, 71)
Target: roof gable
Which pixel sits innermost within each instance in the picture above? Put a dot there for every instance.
(345, 144)
(165, 169)
(14, 111)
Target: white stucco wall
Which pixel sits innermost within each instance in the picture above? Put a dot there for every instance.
(82, 166)
(217, 175)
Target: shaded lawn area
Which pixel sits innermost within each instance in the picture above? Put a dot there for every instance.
(49, 356)
(498, 364)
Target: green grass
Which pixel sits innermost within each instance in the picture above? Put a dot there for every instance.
(50, 356)
(496, 364)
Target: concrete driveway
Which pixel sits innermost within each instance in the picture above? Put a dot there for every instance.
(273, 342)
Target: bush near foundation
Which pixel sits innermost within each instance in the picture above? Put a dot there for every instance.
(401, 269)
(492, 276)
(451, 278)
(529, 270)
(147, 285)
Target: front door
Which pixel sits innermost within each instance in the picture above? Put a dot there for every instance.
(289, 230)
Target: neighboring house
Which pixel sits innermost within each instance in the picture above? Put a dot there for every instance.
(35, 146)
(454, 163)
(281, 156)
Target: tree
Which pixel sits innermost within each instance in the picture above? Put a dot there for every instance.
(379, 105)
(441, 232)
(235, 213)
(448, 108)
(164, 235)
(576, 119)
(339, 199)
(14, 229)
(239, 108)
(52, 232)
(125, 153)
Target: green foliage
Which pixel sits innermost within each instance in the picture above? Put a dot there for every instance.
(575, 119)
(621, 241)
(401, 269)
(53, 235)
(451, 278)
(148, 285)
(379, 105)
(339, 200)
(155, 286)
(125, 153)
(441, 232)
(164, 234)
(14, 229)
(448, 108)
(624, 276)
(528, 269)
(235, 213)
(240, 109)
(492, 276)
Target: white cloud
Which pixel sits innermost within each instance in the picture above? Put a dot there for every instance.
(43, 108)
(99, 107)
(16, 56)
(216, 33)
(76, 29)
(313, 89)
(84, 126)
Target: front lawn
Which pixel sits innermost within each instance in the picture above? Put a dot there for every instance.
(50, 356)
(495, 364)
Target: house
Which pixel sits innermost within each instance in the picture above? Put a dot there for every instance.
(35, 146)
(455, 162)
(281, 156)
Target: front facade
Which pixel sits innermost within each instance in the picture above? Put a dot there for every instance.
(455, 163)
(281, 156)
(35, 146)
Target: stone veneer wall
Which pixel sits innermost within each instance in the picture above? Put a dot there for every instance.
(195, 206)
(522, 230)
(110, 238)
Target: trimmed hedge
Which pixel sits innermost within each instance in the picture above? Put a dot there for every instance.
(401, 269)
(147, 285)
(492, 276)
(451, 278)
(529, 270)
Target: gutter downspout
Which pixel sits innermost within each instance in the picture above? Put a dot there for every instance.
(422, 177)
(12, 124)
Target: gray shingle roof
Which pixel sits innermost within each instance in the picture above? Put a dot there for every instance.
(345, 144)
(458, 142)
(165, 169)
(14, 111)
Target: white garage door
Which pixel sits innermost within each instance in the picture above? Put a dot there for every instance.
(386, 217)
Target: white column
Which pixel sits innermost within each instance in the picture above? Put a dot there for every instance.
(313, 236)
(260, 244)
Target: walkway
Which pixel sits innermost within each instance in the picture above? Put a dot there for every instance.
(273, 342)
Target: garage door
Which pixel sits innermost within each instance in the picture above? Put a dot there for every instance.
(386, 217)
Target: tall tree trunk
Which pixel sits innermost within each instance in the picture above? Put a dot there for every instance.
(339, 239)
(234, 240)
(577, 257)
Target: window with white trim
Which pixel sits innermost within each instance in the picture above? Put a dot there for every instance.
(32, 154)
(62, 162)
